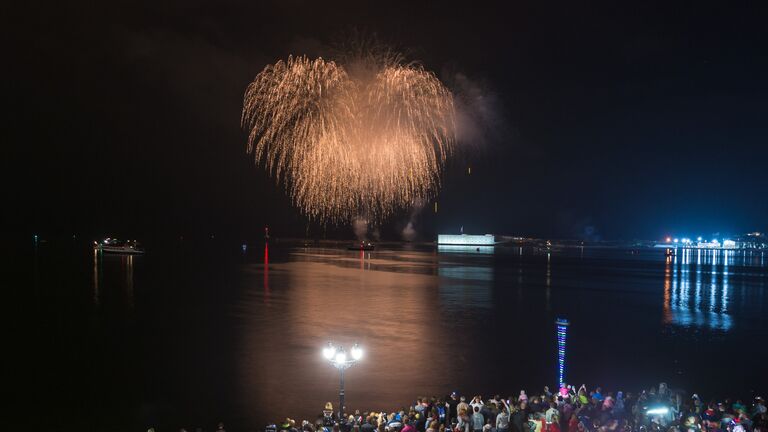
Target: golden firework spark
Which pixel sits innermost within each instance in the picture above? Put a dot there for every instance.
(361, 140)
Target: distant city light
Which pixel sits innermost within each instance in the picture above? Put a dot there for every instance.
(745, 241)
(714, 244)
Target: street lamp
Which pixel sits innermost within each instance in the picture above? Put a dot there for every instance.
(337, 356)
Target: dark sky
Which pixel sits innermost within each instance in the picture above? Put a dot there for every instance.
(612, 120)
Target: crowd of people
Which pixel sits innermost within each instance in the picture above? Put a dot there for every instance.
(567, 409)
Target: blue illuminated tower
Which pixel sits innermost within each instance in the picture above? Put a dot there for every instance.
(562, 329)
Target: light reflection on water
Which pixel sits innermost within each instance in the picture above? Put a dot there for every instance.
(119, 266)
(96, 277)
(245, 329)
(707, 304)
(466, 249)
(463, 286)
(483, 274)
(329, 295)
(397, 302)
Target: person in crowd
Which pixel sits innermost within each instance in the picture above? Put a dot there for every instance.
(598, 394)
(565, 391)
(663, 390)
(551, 413)
(517, 418)
(477, 402)
(618, 406)
(407, 425)
(502, 418)
(582, 396)
(420, 404)
(369, 425)
(478, 421)
(463, 424)
(451, 406)
(535, 422)
(463, 405)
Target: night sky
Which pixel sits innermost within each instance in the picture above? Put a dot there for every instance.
(611, 120)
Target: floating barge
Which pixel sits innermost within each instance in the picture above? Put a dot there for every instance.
(466, 240)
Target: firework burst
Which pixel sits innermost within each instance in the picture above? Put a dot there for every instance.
(364, 137)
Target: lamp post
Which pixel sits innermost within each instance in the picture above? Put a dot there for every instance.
(337, 356)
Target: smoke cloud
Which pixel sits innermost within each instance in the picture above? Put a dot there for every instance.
(479, 112)
(360, 227)
(409, 232)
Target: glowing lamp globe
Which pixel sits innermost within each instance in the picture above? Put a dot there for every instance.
(357, 352)
(329, 352)
(341, 357)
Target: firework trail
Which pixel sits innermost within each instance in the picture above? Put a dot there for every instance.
(363, 137)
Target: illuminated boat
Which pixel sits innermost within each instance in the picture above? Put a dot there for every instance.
(363, 246)
(110, 245)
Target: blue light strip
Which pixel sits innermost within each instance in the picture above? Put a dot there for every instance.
(562, 327)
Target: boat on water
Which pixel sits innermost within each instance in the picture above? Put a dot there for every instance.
(466, 239)
(363, 246)
(110, 245)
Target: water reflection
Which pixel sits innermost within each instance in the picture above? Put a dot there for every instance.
(549, 282)
(467, 249)
(113, 274)
(699, 269)
(418, 311)
(391, 302)
(266, 273)
(127, 264)
(463, 287)
(248, 332)
(465, 283)
(96, 276)
(321, 296)
(473, 273)
(667, 287)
